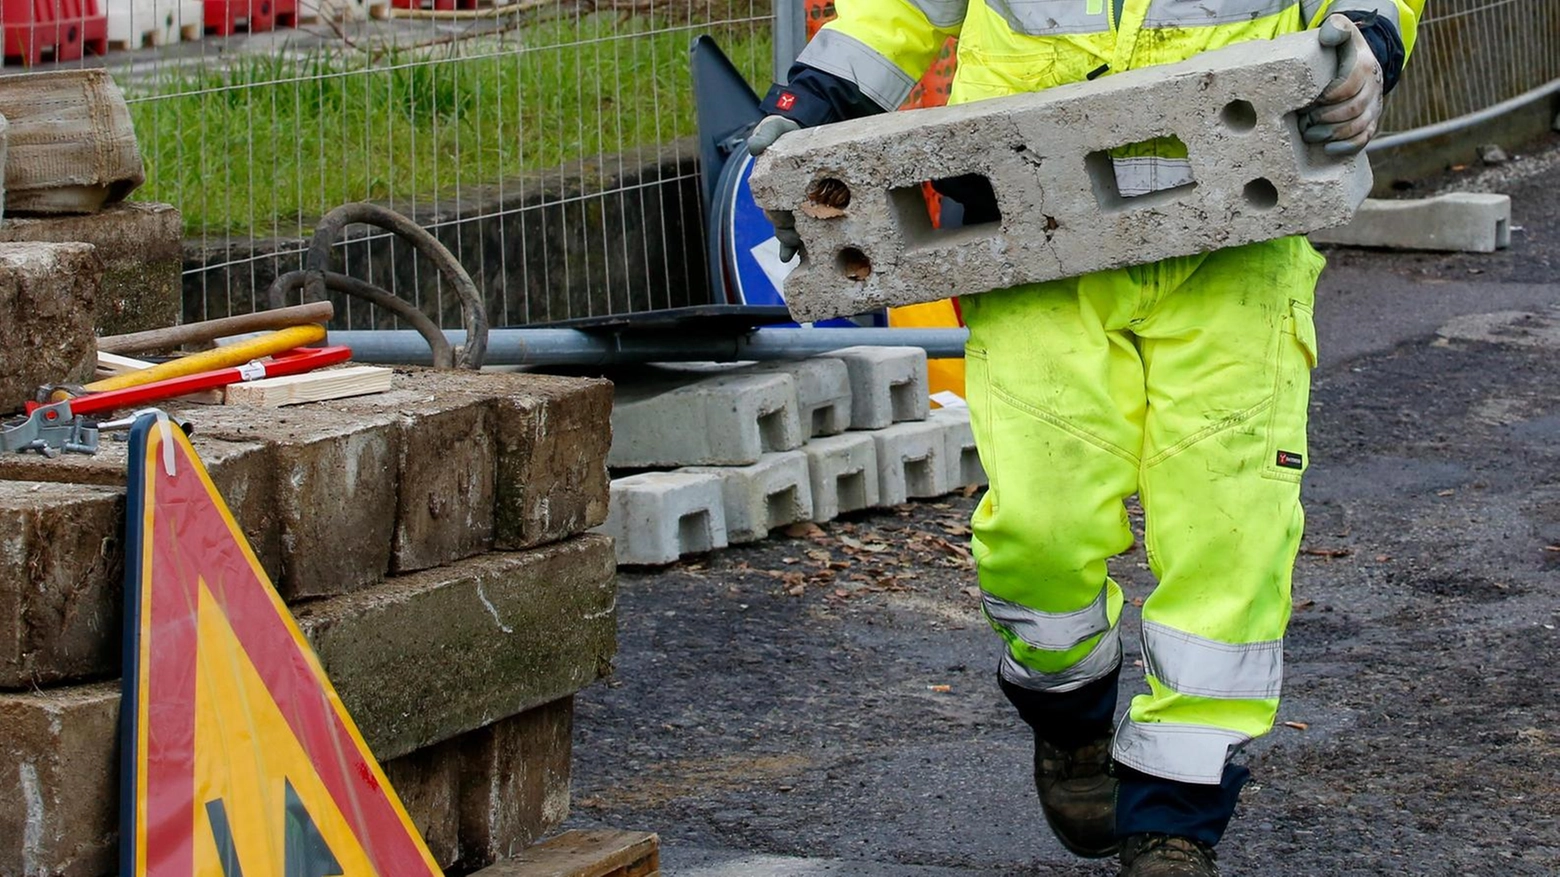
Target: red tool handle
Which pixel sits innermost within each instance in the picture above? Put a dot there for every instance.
(291, 362)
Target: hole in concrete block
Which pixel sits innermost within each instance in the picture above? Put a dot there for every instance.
(829, 192)
(970, 471)
(1131, 183)
(1239, 116)
(854, 264)
(1502, 234)
(968, 211)
(780, 508)
(821, 419)
(902, 400)
(918, 477)
(694, 534)
(1261, 194)
(852, 490)
(771, 431)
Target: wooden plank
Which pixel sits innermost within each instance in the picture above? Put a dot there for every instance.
(603, 853)
(336, 383)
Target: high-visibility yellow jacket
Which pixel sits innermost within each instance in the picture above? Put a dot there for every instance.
(873, 53)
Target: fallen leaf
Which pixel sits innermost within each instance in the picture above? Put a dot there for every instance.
(1327, 552)
(1138, 602)
(1552, 547)
(821, 211)
(1302, 605)
(1446, 493)
(971, 591)
(1298, 726)
(1383, 558)
(851, 543)
(804, 530)
(796, 591)
(970, 490)
(841, 592)
(940, 689)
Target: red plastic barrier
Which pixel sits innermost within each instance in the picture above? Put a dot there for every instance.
(223, 16)
(60, 29)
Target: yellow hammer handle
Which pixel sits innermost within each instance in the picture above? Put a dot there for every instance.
(211, 360)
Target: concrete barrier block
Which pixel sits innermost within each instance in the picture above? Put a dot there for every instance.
(657, 517)
(822, 391)
(912, 461)
(515, 783)
(47, 293)
(428, 782)
(429, 656)
(887, 385)
(774, 492)
(964, 467)
(59, 782)
(854, 188)
(843, 472)
(726, 420)
(141, 246)
(1467, 222)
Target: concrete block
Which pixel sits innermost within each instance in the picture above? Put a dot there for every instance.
(444, 469)
(887, 385)
(822, 391)
(774, 492)
(515, 782)
(726, 420)
(428, 782)
(843, 472)
(334, 487)
(657, 517)
(1467, 222)
(47, 293)
(429, 656)
(59, 782)
(964, 467)
(912, 461)
(1064, 210)
(61, 581)
(141, 246)
(551, 437)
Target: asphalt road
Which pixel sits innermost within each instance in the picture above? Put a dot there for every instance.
(826, 704)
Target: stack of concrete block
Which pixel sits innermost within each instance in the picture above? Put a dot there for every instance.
(762, 446)
(432, 543)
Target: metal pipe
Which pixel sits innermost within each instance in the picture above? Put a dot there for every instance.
(1452, 126)
(573, 347)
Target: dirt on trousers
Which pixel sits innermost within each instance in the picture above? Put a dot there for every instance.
(832, 696)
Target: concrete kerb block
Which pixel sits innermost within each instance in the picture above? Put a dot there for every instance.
(1468, 222)
(822, 391)
(961, 456)
(1066, 207)
(47, 295)
(887, 384)
(656, 517)
(727, 420)
(774, 492)
(911, 461)
(843, 472)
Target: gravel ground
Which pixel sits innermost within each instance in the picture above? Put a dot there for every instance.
(824, 701)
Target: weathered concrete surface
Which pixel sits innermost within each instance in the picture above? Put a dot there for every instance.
(432, 655)
(47, 293)
(1459, 221)
(822, 392)
(59, 782)
(515, 782)
(887, 385)
(428, 782)
(551, 438)
(1046, 157)
(142, 249)
(61, 580)
(771, 493)
(724, 420)
(657, 517)
(844, 474)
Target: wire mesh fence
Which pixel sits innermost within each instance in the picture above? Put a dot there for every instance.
(545, 142)
(1473, 54)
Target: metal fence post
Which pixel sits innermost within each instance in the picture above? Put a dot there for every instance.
(790, 35)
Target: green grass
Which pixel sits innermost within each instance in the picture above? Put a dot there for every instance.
(267, 145)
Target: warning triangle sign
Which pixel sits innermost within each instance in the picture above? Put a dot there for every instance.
(238, 756)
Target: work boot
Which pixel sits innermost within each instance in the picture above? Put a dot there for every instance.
(1078, 796)
(1158, 855)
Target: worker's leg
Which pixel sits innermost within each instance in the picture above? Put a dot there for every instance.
(1227, 353)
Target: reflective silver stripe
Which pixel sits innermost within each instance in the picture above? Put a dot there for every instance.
(942, 13)
(1189, 753)
(1103, 658)
(1038, 18)
(1190, 664)
(847, 57)
(1052, 631)
(1140, 175)
(1191, 13)
(1387, 9)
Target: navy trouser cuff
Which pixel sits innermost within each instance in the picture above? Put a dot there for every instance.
(1067, 719)
(1147, 804)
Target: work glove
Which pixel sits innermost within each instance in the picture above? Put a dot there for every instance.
(764, 135)
(1346, 114)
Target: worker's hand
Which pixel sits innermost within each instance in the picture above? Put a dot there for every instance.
(764, 135)
(1346, 114)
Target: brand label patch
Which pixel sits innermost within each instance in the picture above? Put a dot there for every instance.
(1290, 460)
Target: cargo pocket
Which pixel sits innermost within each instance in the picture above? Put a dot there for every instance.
(1295, 357)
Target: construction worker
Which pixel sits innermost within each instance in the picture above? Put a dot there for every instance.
(1184, 381)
